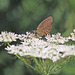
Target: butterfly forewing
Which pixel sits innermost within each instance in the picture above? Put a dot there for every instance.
(44, 27)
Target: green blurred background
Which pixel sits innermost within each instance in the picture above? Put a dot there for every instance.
(24, 15)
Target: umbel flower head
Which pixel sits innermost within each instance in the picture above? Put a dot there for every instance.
(36, 47)
(8, 36)
(73, 35)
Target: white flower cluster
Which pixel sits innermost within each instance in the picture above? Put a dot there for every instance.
(43, 50)
(56, 38)
(59, 39)
(37, 47)
(23, 36)
(72, 35)
(8, 36)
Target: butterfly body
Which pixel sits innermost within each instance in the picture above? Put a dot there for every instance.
(44, 27)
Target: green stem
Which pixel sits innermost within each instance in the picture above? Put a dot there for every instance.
(1, 44)
(36, 62)
(50, 69)
(23, 60)
(8, 44)
(39, 66)
(26, 62)
(61, 65)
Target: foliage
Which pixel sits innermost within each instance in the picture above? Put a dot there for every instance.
(24, 15)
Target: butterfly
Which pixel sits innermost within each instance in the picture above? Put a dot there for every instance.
(44, 27)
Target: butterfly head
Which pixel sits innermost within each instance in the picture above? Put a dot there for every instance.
(44, 27)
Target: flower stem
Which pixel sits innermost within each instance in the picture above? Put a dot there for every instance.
(25, 62)
(61, 65)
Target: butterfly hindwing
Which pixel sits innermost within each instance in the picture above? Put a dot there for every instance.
(44, 27)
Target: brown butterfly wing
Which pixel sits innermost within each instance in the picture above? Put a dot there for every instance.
(44, 27)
